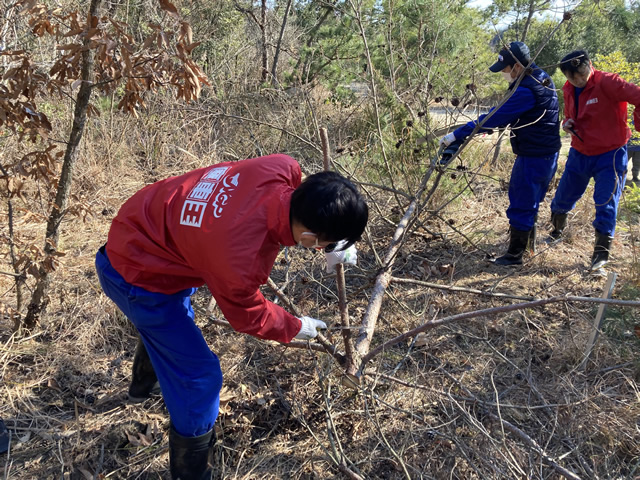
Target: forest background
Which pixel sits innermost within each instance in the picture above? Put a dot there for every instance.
(437, 364)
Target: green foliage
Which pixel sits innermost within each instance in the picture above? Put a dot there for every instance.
(631, 201)
(617, 63)
(595, 26)
(602, 28)
(545, 48)
(520, 14)
(333, 47)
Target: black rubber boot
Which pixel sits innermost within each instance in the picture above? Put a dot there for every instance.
(559, 222)
(532, 236)
(189, 456)
(144, 382)
(601, 250)
(635, 167)
(517, 246)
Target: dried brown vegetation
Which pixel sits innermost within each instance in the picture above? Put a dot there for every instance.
(466, 400)
(492, 397)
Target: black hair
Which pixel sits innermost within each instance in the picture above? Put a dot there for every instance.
(574, 62)
(330, 206)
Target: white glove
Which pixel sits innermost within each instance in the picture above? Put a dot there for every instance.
(310, 328)
(447, 140)
(349, 256)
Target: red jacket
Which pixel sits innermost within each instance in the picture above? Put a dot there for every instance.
(602, 114)
(221, 225)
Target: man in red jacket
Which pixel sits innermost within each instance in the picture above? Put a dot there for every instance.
(595, 110)
(221, 226)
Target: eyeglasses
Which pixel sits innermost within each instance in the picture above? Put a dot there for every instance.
(330, 247)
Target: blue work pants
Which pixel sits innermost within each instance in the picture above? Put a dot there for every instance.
(188, 371)
(530, 178)
(609, 170)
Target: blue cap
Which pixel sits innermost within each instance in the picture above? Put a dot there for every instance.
(508, 57)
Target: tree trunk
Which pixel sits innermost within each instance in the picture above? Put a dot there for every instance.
(527, 23)
(311, 37)
(263, 31)
(274, 68)
(39, 298)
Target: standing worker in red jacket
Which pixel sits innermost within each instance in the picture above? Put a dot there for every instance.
(221, 226)
(595, 110)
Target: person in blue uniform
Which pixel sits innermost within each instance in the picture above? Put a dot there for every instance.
(532, 114)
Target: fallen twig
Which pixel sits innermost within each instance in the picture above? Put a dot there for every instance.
(488, 312)
(452, 288)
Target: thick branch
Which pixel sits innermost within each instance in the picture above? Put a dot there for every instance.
(321, 339)
(490, 312)
(452, 288)
(382, 281)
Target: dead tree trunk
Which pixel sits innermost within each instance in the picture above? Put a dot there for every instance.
(263, 33)
(274, 67)
(39, 298)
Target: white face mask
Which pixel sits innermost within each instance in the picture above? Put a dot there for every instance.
(507, 76)
(309, 234)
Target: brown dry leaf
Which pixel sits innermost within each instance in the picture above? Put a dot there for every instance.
(88, 475)
(186, 32)
(133, 439)
(636, 330)
(153, 430)
(145, 440)
(53, 384)
(350, 381)
(421, 340)
(169, 7)
(92, 111)
(189, 48)
(226, 395)
(149, 41)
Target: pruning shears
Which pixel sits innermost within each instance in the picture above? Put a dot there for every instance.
(573, 132)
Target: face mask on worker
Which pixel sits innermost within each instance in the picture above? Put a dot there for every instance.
(507, 76)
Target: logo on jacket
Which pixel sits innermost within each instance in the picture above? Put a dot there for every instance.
(592, 100)
(229, 184)
(199, 196)
(192, 213)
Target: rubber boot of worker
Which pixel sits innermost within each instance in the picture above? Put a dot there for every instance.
(532, 236)
(559, 223)
(635, 170)
(189, 456)
(517, 245)
(144, 382)
(601, 250)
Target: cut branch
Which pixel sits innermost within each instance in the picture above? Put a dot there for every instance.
(489, 312)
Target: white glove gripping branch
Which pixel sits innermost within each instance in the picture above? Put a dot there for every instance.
(310, 327)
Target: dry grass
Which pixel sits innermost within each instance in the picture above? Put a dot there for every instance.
(440, 408)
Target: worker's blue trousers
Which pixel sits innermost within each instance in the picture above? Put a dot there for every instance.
(188, 371)
(530, 178)
(609, 170)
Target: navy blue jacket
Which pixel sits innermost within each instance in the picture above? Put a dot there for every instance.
(532, 112)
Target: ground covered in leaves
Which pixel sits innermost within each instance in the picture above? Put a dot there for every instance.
(493, 397)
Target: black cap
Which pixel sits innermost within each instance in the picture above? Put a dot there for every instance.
(507, 56)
